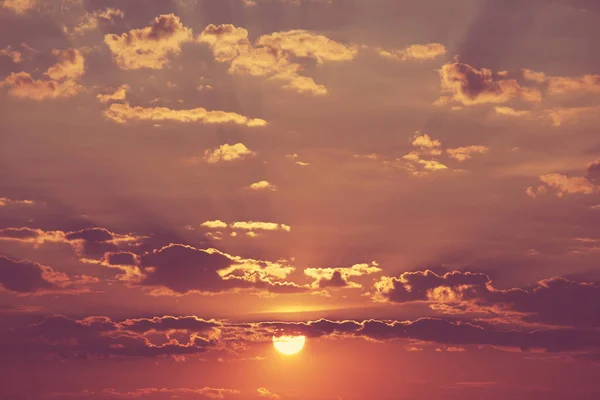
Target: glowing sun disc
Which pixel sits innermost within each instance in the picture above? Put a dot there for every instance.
(289, 345)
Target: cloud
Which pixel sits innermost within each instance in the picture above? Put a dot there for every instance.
(561, 115)
(415, 52)
(102, 337)
(118, 95)
(227, 152)
(95, 337)
(432, 165)
(91, 20)
(70, 65)
(62, 82)
(563, 85)
(264, 392)
(28, 277)
(303, 43)
(179, 269)
(123, 112)
(256, 225)
(554, 301)
(464, 153)
(466, 85)
(568, 185)
(511, 112)
(19, 6)
(272, 54)
(149, 47)
(340, 277)
(87, 243)
(263, 185)
(425, 141)
(14, 55)
(214, 224)
(166, 393)
(4, 201)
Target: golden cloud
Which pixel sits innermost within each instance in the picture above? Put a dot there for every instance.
(90, 21)
(123, 112)
(466, 85)
(19, 6)
(14, 55)
(263, 185)
(227, 152)
(149, 47)
(117, 95)
(566, 184)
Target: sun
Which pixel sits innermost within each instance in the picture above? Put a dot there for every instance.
(289, 345)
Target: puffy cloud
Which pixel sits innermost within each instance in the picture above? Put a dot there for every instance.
(70, 65)
(554, 301)
(227, 152)
(466, 85)
(464, 153)
(263, 185)
(24, 86)
(568, 185)
(14, 55)
(177, 269)
(415, 52)
(538, 77)
(91, 20)
(217, 224)
(123, 112)
(226, 41)
(271, 55)
(303, 43)
(118, 95)
(425, 141)
(19, 6)
(28, 277)
(61, 83)
(149, 47)
(340, 277)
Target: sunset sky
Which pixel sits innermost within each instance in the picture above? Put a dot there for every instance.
(404, 194)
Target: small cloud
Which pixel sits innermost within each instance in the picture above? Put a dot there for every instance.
(118, 95)
(227, 152)
(263, 185)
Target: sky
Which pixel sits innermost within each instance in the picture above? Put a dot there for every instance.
(409, 188)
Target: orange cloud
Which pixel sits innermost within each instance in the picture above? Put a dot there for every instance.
(91, 20)
(264, 392)
(62, 82)
(270, 56)
(466, 85)
(340, 277)
(14, 55)
(415, 52)
(19, 6)
(117, 95)
(265, 226)
(511, 112)
(568, 185)
(149, 47)
(123, 112)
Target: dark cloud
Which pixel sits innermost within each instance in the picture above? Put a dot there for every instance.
(183, 269)
(336, 281)
(554, 301)
(23, 276)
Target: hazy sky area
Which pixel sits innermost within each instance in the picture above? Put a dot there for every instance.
(407, 191)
